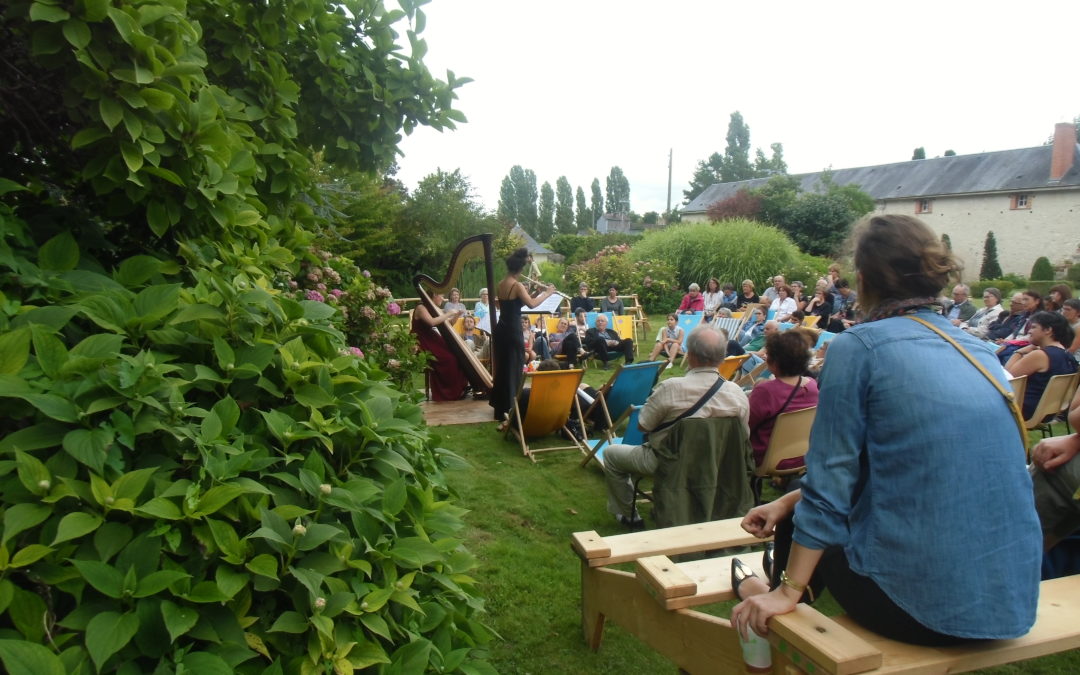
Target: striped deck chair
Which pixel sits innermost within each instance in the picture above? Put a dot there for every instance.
(552, 399)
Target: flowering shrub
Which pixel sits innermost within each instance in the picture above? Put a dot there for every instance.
(365, 314)
(653, 281)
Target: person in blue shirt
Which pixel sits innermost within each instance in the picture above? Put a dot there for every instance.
(924, 533)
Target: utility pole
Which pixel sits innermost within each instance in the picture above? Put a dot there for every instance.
(668, 182)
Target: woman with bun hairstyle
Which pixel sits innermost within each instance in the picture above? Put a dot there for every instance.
(510, 296)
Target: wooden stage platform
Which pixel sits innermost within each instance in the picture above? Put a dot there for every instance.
(467, 411)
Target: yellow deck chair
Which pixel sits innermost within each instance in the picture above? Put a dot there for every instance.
(811, 321)
(552, 400)
(623, 325)
(790, 439)
(1055, 398)
(731, 365)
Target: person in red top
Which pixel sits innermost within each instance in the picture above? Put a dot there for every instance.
(787, 357)
(693, 301)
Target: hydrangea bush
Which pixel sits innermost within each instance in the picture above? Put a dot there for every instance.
(652, 280)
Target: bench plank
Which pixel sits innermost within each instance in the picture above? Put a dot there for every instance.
(670, 541)
(708, 580)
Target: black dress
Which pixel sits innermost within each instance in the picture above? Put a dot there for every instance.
(509, 357)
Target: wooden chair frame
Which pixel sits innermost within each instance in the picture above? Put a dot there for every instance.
(552, 402)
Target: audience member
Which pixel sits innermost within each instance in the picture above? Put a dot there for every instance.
(529, 340)
(601, 341)
(980, 321)
(582, 300)
(669, 341)
(1009, 324)
(668, 403)
(753, 327)
(1043, 358)
(1057, 296)
(713, 298)
(877, 466)
(454, 304)
(960, 309)
(475, 339)
(748, 296)
(832, 277)
(821, 305)
(844, 301)
(482, 307)
(790, 390)
(730, 297)
(692, 301)
(799, 295)
(1070, 309)
(565, 341)
(784, 304)
(611, 302)
(773, 292)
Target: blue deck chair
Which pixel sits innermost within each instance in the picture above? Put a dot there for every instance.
(825, 336)
(631, 435)
(689, 322)
(786, 326)
(629, 385)
(730, 325)
(770, 315)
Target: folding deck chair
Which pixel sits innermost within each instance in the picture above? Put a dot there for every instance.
(790, 439)
(688, 322)
(629, 385)
(552, 401)
(1055, 399)
(631, 435)
(731, 365)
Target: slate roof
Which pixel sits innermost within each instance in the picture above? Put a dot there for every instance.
(530, 243)
(1002, 171)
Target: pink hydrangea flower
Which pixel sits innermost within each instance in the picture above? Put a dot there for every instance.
(394, 364)
(321, 287)
(293, 285)
(315, 295)
(337, 292)
(367, 275)
(356, 351)
(393, 309)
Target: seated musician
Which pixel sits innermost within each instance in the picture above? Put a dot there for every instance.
(475, 338)
(565, 341)
(880, 519)
(447, 379)
(602, 341)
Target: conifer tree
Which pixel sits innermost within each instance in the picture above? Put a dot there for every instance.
(991, 269)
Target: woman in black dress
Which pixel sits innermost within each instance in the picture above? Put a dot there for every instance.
(510, 294)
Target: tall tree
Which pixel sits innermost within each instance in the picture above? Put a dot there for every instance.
(737, 154)
(545, 224)
(1042, 270)
(584, 215)
(950, 153)
(991, 268)
(507, 212)
(707, 173)
(564, 207)
(617, 191)
(919, 153)
(524, 181)
(947, 242)
(441, 212)
(774, 165)
(597, 203)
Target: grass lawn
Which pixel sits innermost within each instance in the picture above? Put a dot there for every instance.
(520, 521)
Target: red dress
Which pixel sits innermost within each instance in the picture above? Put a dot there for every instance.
(447, 379)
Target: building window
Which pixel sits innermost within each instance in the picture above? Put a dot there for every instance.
(923, 205)
(1021, 201)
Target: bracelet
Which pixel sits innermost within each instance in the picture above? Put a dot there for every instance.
(785, 580)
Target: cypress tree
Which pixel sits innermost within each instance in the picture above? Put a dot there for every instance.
(991, 269)
(1042, 270)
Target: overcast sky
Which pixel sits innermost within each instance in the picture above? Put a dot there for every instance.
(575, 87)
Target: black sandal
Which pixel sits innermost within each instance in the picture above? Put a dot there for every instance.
(740, 572)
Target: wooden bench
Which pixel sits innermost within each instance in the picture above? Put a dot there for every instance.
(656, 601)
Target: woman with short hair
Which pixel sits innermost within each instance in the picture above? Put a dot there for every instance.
(454, 304)
(748, 296)
(1044, 358)
(787, 358)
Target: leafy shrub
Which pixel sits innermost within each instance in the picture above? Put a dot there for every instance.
(577, 248)
(653, 281)
(194, 474)
(807, 269)
(1042, 270)
(1004, 285)
(730, 251)
(1073, 274)
(1042, 287)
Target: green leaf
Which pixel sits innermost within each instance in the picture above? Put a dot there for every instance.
(317, 534)
(75, 525)
(19, 656)
(14, 350)
(414, 552)
(30, 555)
(100, 346)
(53, 406)
(125, 24)
(131, 484)
(101, 576)
(411, 658)
(49, 350)
(89, 447)
(225, 355)
(367, 654)
(132, 155)
(197, 313)
(394, 497)
(61, 253)
(155, 582)
(225, 537)
(216, 498)
(32, 473)
(137, 270)
(263, 564)
(229, 581)
(205, 663)
(77, 33)
(178, 620)
(159, 507)
(40, 11)
(154, 302)
(313, 396)
(111, 112)
(290, 622)
(317, 311)
(87, 136)
(22, 517)
(107, 633)
(157, 100)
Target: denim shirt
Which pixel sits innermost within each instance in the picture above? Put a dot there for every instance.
(916, 469)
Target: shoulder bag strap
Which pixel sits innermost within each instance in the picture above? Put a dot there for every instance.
(776, 414)
(1010, 398)
(696, 407)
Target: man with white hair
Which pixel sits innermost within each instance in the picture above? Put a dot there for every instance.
(961, 308)
(705, 351)
(602, 341)
(773, 292)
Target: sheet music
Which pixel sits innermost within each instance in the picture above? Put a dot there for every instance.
(549, 306)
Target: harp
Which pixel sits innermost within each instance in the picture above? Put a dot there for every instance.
(470, 264)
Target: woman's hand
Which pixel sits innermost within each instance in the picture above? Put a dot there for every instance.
(755, 611)
(761, 521)
(1050, 453)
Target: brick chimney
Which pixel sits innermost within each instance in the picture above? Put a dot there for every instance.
(1061, 157)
